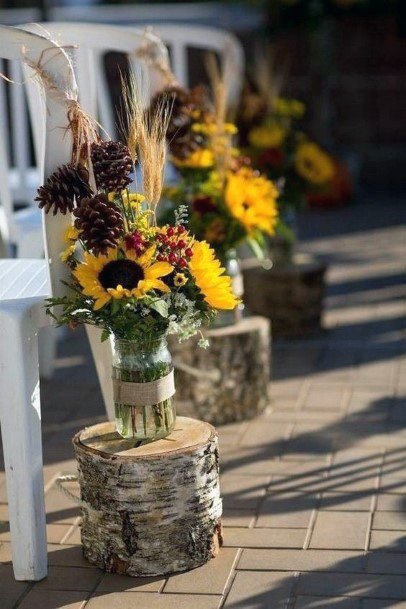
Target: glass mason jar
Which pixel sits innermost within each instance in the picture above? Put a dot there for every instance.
(136, 365)
(229, 260)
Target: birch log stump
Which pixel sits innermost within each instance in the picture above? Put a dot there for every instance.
(153, 509)
(229, 381)
(290, 295)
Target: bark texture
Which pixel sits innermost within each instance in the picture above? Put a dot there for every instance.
(154, 509)
(290, 296)
(229, 381)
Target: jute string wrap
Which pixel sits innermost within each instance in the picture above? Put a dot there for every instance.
(144, 394)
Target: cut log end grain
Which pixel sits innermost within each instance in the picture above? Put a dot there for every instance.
(153, 509)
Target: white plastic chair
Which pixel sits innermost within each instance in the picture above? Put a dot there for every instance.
(19, 178)
(180, 38)
(87, 44)
(23, 286)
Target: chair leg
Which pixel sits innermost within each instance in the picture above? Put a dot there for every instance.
(20, 417)
(47, 351)
(103, 356)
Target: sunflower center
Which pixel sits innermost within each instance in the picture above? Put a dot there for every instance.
(126, 273)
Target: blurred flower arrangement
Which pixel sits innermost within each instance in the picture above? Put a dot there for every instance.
(133, 279)
(272, 137)
(229, 201)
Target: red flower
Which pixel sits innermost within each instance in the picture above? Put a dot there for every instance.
(271, 157)
(203, 205)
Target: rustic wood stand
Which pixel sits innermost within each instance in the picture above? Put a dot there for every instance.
(229, 381)
(290, 295)
(152, 509)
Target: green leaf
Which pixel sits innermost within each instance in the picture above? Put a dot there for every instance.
(160, 306)
(105, 335)
(115, 306)
(256, 248)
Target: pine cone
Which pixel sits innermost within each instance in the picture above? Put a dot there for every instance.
(112, 164)
(65, 185)
(187, 107)
(100, 223)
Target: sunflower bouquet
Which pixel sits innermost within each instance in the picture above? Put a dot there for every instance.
(133, 279)
(271, 135)
(229, 202)
(279, 148)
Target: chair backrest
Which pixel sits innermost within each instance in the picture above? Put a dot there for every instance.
(87, 45)
(181, 38)
(52, 116)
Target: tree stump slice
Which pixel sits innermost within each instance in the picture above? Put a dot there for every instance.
(153, 509)
(290, 295)
(229, 381)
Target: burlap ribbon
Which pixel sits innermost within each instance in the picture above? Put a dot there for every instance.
(144, 394)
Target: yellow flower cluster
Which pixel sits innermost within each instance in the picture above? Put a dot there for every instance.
(210, 279)
(267, 136)
(251, 198)
(313, 164)
(292, 108)
(201, 158)
(212, 128)
(70, 237)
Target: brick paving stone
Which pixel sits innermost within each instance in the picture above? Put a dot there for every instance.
(386, 562)
(258, 590)
(331, 602)
(340, 530)
(348, 502)
(302, 560)
(264, 538)
(286, 510)
(238, 518)
(53, 599)
(391, 503)
(264, 432)
(123, 583)
(148, 600)
(10, 590)
(66, 556)
(392, 521)
(349, 584)
(211, 578)
(388, 541)
(323, 397)
(381, 604)
(60, 509)
(243, 492)
(70, 578)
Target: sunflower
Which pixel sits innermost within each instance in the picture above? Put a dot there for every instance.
(199, 159)
(313, 164)
(179, 280)
(70, 237)
(208, 275)
(267, 136)
(251, 198)
(111, 276)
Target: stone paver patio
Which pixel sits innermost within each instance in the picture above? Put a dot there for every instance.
(314, 491)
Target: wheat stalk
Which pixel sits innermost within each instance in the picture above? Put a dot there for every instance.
(146, 136)
(269, 77)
